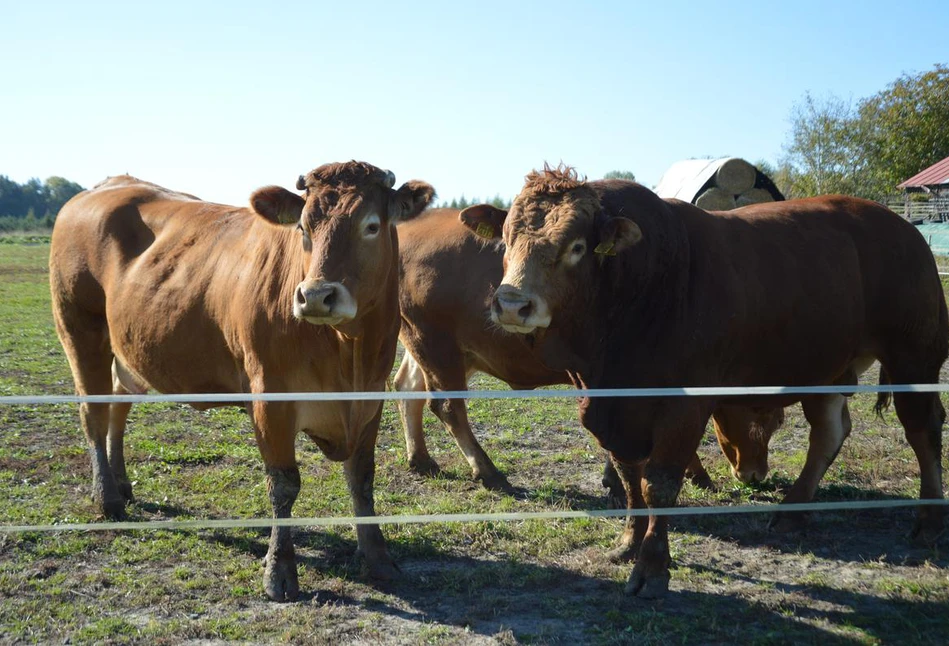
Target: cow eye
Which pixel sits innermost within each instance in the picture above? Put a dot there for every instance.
(372, 226)
(575, 252)
(307, 243)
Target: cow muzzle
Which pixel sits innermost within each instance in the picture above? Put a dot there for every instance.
(518, 312)
(750, 475)
(323, 303)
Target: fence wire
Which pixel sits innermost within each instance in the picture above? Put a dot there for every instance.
(240, 398)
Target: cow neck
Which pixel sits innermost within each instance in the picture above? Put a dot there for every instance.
(641, 306)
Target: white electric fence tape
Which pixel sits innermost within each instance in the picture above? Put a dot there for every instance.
(240, 398)
(692, 391)
(466, 518)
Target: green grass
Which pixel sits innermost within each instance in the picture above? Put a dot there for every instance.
(522, 582)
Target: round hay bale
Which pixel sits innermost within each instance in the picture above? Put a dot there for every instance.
(735, 176)
(754, 196)
(715, 199)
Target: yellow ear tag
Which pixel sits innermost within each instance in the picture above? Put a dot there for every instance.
(485, 230)
(605, 249)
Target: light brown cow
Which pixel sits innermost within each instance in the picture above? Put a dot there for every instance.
(623, 289)
(158, 290)
(447, 277)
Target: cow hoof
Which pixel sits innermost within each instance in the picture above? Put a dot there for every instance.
(647, 587)
(382, 569)
(623, 554)
(926, 533)
(114, 508)
(495, 482)
(125, 490)
(280, 579)
(788, 522)
(424, 467)
(703, 481)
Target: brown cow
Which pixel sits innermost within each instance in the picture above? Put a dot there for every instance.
(624, 289)
(184, 296)
(447, 277)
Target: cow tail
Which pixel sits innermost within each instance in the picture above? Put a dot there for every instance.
(883, 398)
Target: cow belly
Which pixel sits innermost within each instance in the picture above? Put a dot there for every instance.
(330, 423)
(169, 365)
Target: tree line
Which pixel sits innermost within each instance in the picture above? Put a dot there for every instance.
(866, 147)
(33, 205)
(501, 203)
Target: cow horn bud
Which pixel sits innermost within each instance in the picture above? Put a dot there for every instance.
(301, 183)
(390, 179)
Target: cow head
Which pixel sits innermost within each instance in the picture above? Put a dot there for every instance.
(345, 225)
(743, 435)
(556, 239)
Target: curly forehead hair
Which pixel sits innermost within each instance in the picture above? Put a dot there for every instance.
(553, 181)
(350, 173)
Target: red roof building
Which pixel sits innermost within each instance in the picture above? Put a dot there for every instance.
(933, 179)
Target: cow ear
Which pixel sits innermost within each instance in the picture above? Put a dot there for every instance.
(412, 198)
(616, 235)
(277, 205)
(484, 219)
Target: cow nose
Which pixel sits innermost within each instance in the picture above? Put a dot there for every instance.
(511, 305)
(318, 300)
(749, 476)
(323, 302)
(506, 306)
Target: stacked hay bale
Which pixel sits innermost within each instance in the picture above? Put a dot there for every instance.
(717, 184)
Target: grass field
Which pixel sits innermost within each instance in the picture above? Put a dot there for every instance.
(850, 578)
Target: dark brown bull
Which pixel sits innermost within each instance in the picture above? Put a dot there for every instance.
(448, 275)
(623, 289)
(154, 289)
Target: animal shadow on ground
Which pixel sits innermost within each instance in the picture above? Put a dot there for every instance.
(541, 602)
(153, 509)
(882, 619)
(880, 535)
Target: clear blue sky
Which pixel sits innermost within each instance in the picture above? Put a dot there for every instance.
(217, 99)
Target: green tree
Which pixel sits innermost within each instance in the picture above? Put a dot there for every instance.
(781, 174)
(11, 198)
(620, 174)
(59, 191)
(500, 203)
(905, 128)
(824, 154)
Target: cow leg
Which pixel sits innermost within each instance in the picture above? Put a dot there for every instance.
(698, 475)
(410, 378)
(85, 340)
(829, 418)
(630, 478)
(275, 439)
(662, 476)
(922, 416)
(118, 416)
(616, 493)
(122, 384)
(453, 413)
(616, 497)
(660, 488)
(360, 474)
